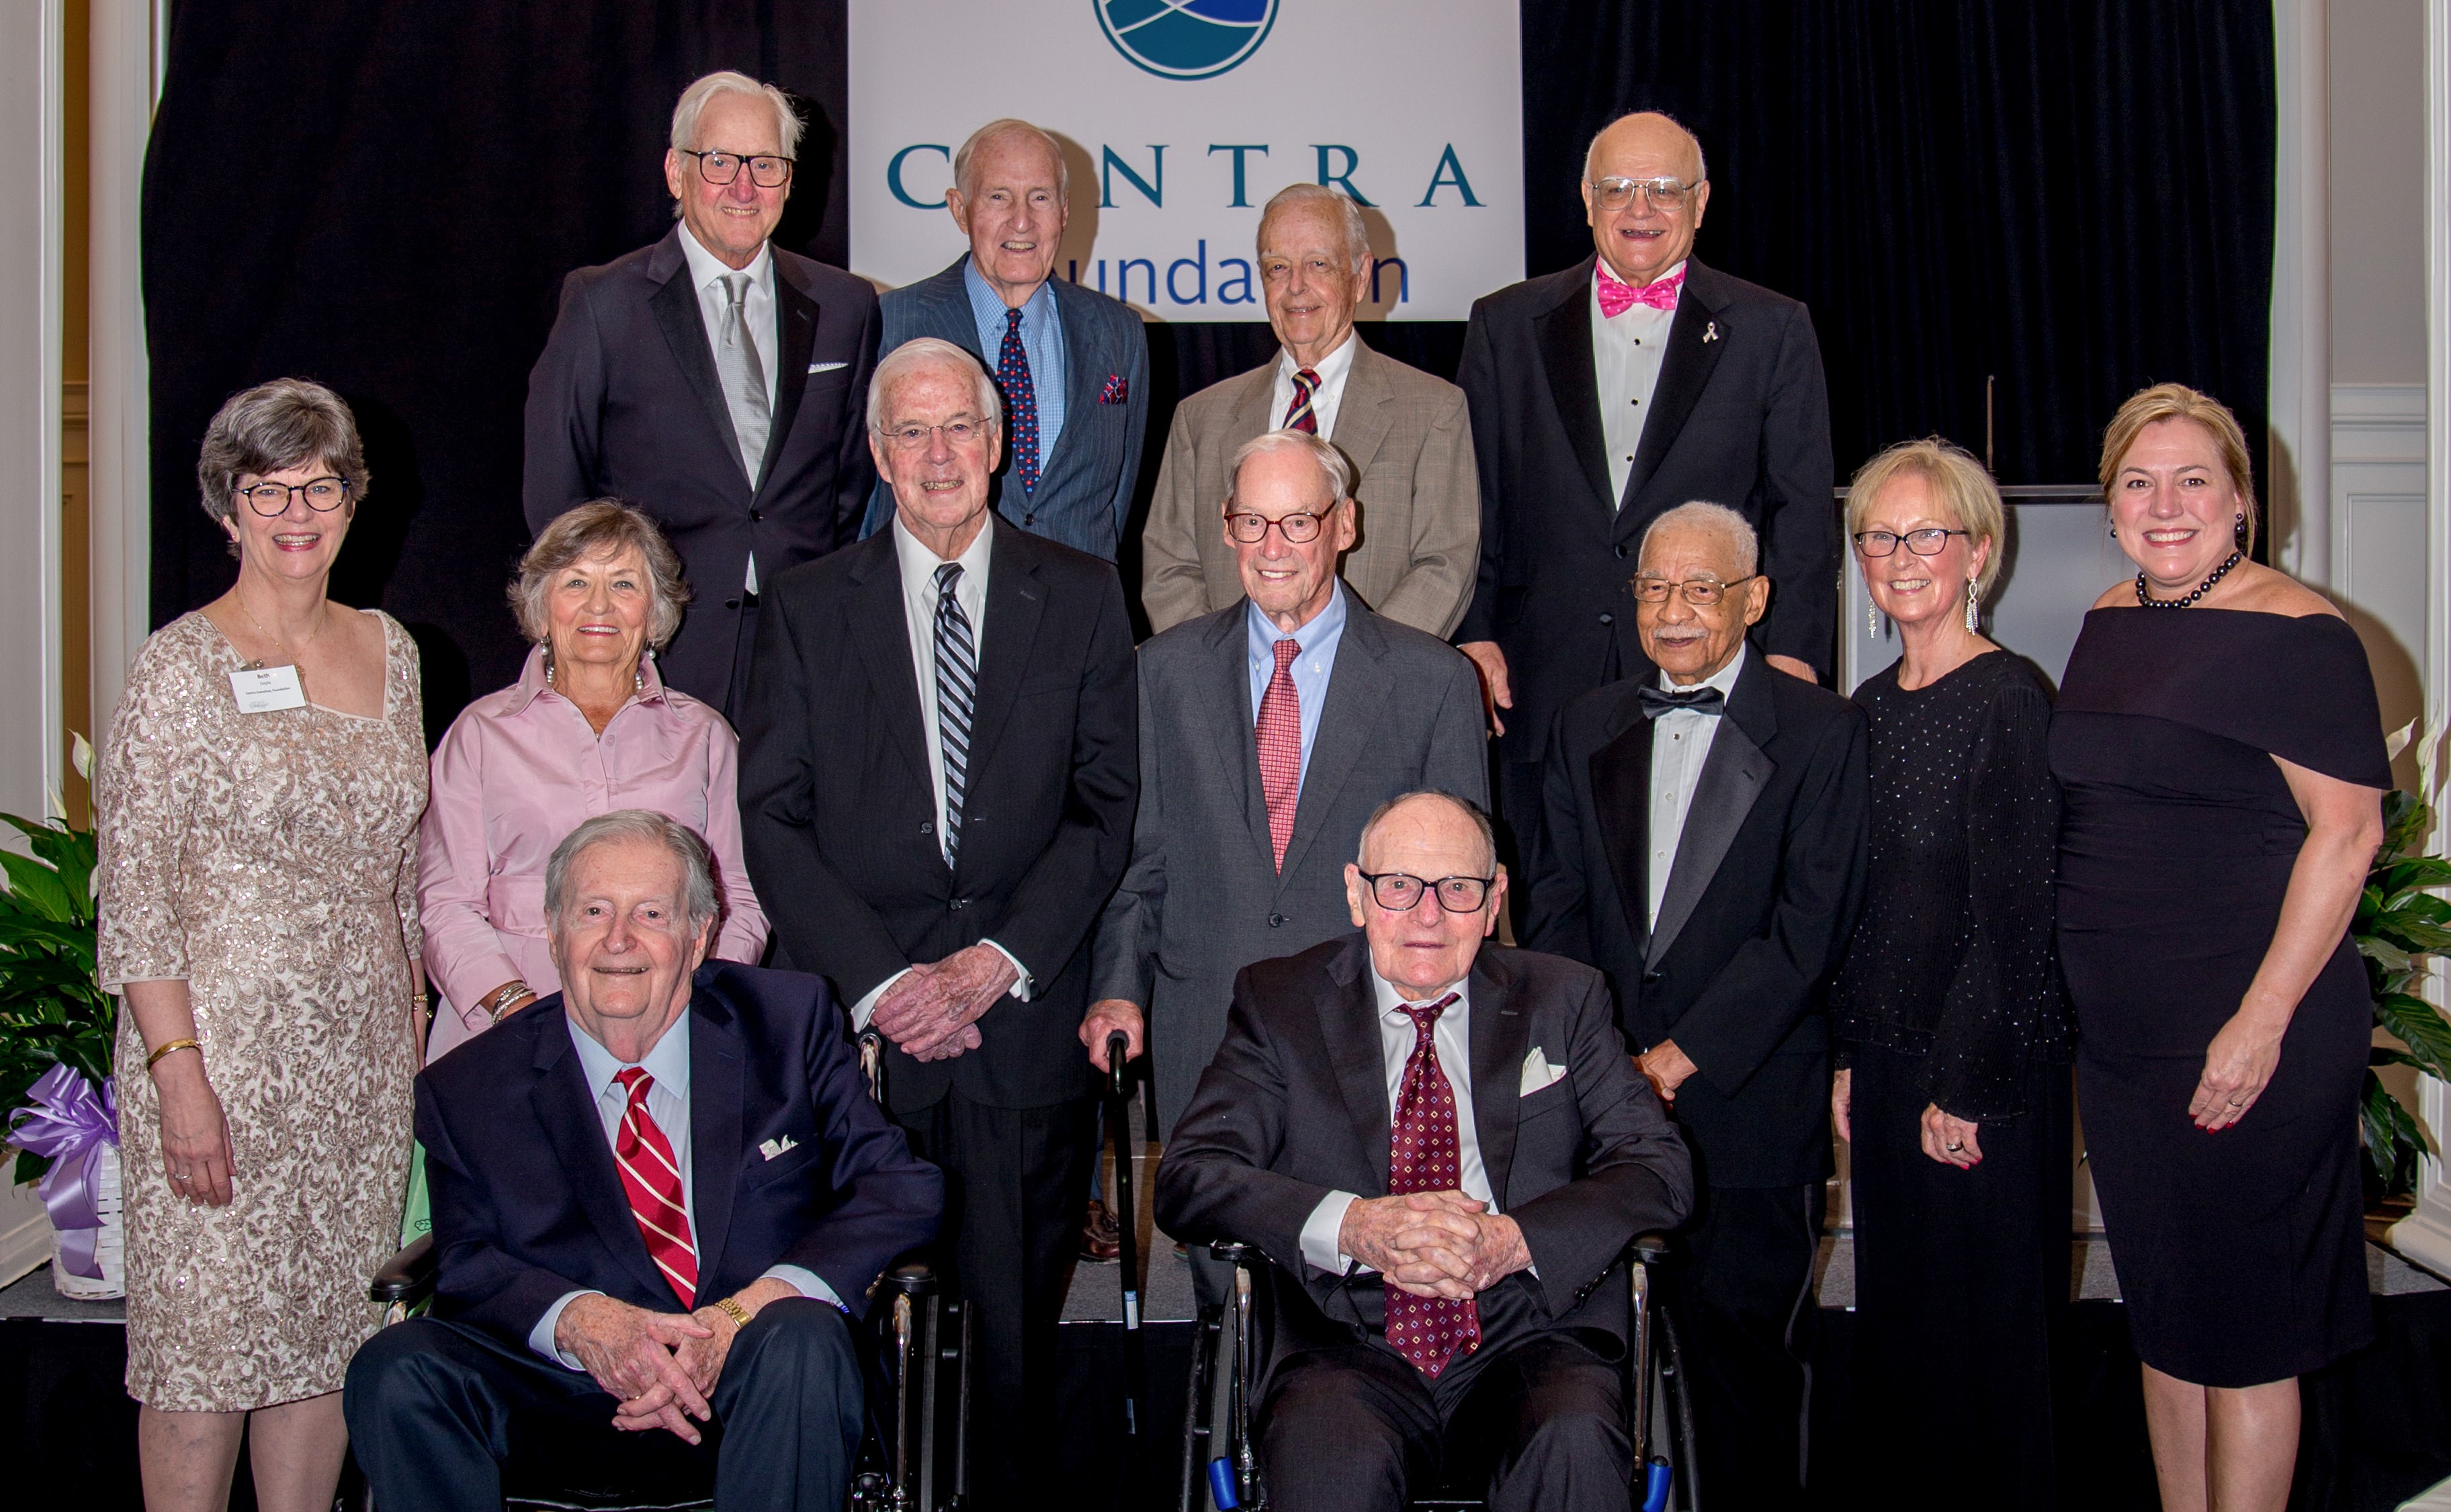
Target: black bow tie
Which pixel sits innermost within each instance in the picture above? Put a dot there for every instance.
(1657, 701)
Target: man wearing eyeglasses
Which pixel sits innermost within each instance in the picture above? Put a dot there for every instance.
(713, 379)
(1440, 1145)
(1270, 731)
(1605, 394)
(1704, 845)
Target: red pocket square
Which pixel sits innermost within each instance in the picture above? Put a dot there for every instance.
(1116, 391)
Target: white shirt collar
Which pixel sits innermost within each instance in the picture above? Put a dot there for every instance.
(1724, 679)
(705, 267)
(1391, 999)
(1332, 368)
(919, 563)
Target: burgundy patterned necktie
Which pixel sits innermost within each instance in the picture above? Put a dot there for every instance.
(1020, 402)
(1297, 414)
(651, 1180)
(1424, 1156)
(1280, 733)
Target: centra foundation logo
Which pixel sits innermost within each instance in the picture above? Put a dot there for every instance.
(1186, 39)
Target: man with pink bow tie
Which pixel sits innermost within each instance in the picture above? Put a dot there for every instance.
(1630, 383)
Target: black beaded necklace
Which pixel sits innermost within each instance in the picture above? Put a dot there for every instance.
(2147, 601)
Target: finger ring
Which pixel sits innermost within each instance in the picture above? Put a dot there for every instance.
(178, 1175)
(2238, 1102)
(1954, 1149)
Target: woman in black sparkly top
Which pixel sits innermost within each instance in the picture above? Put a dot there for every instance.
(2221, 753)
(1953, 1091)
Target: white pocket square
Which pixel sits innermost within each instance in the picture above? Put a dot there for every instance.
(826, 368)
(776, 1147)
(1538, 1072)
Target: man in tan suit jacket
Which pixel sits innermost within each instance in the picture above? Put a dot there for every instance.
(1405, 433)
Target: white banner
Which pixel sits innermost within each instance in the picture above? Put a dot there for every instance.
(1180, 118)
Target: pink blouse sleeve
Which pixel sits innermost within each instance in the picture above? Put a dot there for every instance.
(743, 938)
(463, 956)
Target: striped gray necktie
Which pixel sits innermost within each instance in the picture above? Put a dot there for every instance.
(744, 377)
(958, 681)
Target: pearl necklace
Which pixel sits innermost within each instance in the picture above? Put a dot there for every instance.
(2147, 601)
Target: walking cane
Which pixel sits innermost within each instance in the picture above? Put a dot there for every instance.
(1119, 1121)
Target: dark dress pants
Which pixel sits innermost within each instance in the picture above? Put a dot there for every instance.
(434, 1408)
(1746, 1308)
(1016, 1182)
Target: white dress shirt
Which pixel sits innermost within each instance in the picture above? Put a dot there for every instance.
(1324, 400)
(1397, 1037)
(757, 311)
(668, 1103)
(918, 565)
(1680, 743)
(1626, 353)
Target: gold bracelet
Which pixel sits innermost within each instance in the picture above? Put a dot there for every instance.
(155, 1058)
(738, 1315)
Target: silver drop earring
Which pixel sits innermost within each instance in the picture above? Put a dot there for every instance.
(1973, 608)
(1872, 618)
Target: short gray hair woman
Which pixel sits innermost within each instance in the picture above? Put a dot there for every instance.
(520, 768)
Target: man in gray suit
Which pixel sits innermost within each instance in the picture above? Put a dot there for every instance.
(1405, 434)
(1073, 364)
(1270, 730)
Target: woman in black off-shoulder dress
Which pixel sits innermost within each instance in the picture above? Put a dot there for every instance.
(2220, 750)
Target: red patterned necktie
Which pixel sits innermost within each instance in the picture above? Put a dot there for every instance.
(1617, 297)
(652, 1178)
(1424, 1156)
(1297, 414)
(1281, 748)
(1020, 402)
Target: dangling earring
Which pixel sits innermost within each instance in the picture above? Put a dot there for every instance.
(1871, 616)
(2238, 530)
(1974, 610)
(548, 667)
(2114, 532)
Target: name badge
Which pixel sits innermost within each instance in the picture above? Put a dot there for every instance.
(262, 690)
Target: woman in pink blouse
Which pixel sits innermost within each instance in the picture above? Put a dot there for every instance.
(588, 728)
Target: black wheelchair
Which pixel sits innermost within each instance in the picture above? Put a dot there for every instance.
(1220, 1471)
(915, 1355)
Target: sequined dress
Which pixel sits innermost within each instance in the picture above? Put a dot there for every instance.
(269, 859)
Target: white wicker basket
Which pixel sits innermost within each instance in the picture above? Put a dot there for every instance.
(109, 1245)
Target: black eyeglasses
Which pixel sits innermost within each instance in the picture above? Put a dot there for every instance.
(1699, 592)
(1250, 528)
(767, 170)
(272, 500)
(1929, 542)
(1400, 892)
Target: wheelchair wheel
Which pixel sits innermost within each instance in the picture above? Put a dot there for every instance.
(1672, 1482)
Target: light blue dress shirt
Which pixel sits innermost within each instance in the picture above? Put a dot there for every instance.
(1042, 342)
(1311, 668)
(668, 1103)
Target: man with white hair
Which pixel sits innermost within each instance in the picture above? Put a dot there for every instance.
(713, 379)
(938, 777)
(1071, 363)
(1403, 432)
(1704, 845)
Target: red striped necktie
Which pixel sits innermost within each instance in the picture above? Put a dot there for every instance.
(652, 1179)
(1298, 416)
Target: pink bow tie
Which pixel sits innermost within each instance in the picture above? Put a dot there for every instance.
(1617, 296)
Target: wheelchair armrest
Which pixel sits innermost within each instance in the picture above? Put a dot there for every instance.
(915, 1278)
(1648, 1249)
(407, 1278)
(1228, 1252)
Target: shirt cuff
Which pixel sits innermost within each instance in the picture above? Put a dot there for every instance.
(541, 1337)
(806, 1283)
(1319, 1234)
(862, 1010)
(1021, 983)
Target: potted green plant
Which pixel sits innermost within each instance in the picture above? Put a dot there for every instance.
(2400, 921)
(56, 1024)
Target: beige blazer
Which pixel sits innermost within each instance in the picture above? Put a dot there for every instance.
(1410, 443)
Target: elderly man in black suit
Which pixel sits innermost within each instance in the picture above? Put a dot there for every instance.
(1705, 845)
(1270, 730)
(1071, 362)
(1622, 386)
(1442, 1148)
(713, 379)
(937, 778)
(656, 1196)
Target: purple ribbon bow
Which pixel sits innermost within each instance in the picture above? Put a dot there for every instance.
(67, 1123)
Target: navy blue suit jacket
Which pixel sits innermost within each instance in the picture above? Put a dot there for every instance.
(529, 1206)
(1084, 485)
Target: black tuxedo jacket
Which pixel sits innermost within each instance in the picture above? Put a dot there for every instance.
(1761, 897)
(1740, 418)
(528, 1205)
(1295, 1106)
(625, 402)
(838, 809)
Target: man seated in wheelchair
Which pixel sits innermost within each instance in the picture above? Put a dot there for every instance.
(1442, 1143)
(659, 1197)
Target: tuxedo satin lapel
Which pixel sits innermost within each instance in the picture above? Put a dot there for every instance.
(1499, 1032)
(716, 1076)
(795, 317)
(684, 328)
(1361, 417)
(1349, 1022)
(1732, 780)
(880, 631)
(1016, 600)
(1564, 336)
(1684, 373)
(1620, 775)
(567, 1112)
(1358, 690)
(1233, 726)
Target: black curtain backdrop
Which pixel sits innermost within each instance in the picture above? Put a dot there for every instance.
(2073, 198)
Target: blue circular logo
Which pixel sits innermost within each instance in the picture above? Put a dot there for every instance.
(1186, 39)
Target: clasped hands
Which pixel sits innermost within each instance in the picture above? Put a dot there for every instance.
(660, 1366)
(1433, 1244)
(932, 1012)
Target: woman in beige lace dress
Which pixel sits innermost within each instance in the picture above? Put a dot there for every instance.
(258, 802)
